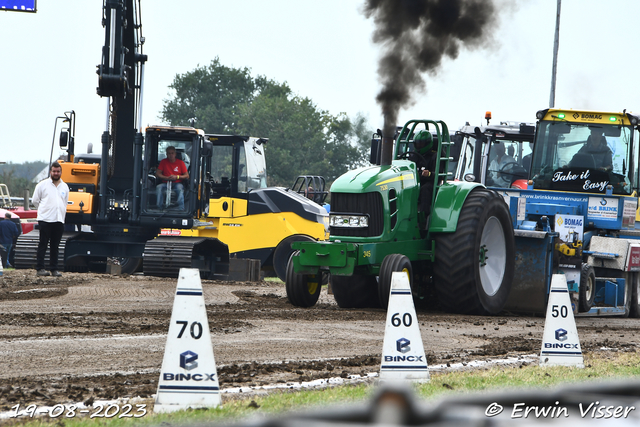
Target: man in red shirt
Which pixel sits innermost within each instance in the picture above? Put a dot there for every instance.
(174, 171)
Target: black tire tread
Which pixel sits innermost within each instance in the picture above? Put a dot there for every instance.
(585, 304)
(456, 256)
(283, 252)
(355, 291)
(634, 310)
(130, 265)
(390, 264)
(297, 289)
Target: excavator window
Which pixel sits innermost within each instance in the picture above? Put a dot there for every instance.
(160, 196)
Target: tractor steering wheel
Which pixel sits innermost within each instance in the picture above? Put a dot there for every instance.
(417, 157)
(504, 167)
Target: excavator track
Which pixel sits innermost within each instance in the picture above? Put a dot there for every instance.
(27, 250)
(165, 256)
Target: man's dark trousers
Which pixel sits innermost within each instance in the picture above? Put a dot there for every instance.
(50, 235)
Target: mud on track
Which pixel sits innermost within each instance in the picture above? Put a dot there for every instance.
(85, 337)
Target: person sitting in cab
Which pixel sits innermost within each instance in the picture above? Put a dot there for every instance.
(500, 162)
(426, 166)
(595, 153)
(174, 171)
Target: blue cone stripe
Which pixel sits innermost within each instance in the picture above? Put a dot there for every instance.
(189, 294)
(404, 367)
(187, 388)
(562, 353)
(400, 292)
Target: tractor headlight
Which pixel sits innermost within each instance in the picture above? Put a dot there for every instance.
(349, 221)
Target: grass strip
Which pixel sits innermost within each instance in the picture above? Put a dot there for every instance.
(599, 366)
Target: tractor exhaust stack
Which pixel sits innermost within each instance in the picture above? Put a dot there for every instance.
(386, 151)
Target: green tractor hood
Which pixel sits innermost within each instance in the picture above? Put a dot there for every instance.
(401, 173)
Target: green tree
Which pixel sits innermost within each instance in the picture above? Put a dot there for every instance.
(361, 134)
(303, 140)
(213, 94)
(18, 176)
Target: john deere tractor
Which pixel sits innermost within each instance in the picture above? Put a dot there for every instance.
(462, 244)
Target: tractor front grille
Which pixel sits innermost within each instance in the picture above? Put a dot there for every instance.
(360, 203)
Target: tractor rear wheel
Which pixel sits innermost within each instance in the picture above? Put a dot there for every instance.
(303, 290)
(390, 264)
(283, 252)
(587, 291)
(473, 269)
(355, 291)
(630, 279)
(634, 310)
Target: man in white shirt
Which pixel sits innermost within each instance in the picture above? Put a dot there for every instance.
(50, 197)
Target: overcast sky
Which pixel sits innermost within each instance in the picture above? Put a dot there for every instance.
(323, 49)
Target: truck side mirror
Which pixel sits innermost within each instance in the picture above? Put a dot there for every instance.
(64, 139)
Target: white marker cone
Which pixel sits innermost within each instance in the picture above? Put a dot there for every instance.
(560, 341)
(403, 355)
(188, 378)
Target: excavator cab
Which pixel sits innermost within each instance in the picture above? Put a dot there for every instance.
(165, 199)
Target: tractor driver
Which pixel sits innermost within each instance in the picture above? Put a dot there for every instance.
(499, 177)
(596, 148)
(171, 170)
(425, 146)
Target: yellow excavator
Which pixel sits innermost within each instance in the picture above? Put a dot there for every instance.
(118, 209)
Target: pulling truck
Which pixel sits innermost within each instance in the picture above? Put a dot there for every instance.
(464, 247)
(114, 197)
(577, 215)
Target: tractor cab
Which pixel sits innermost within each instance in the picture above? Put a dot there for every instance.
(496, 155)
(588, 152)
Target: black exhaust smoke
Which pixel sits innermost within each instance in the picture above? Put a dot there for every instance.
(416, 35)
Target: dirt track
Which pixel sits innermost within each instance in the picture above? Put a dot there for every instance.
(88, 336)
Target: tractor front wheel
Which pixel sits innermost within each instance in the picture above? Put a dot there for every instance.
(283, 252)
(474, 266)
(390, 264)
(303, 290)
(357, 291)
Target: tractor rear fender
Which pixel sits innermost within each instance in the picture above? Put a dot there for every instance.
(448, 204)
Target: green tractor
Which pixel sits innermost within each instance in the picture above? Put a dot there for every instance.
(462, 244)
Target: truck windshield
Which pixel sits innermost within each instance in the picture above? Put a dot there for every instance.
(583, 157)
